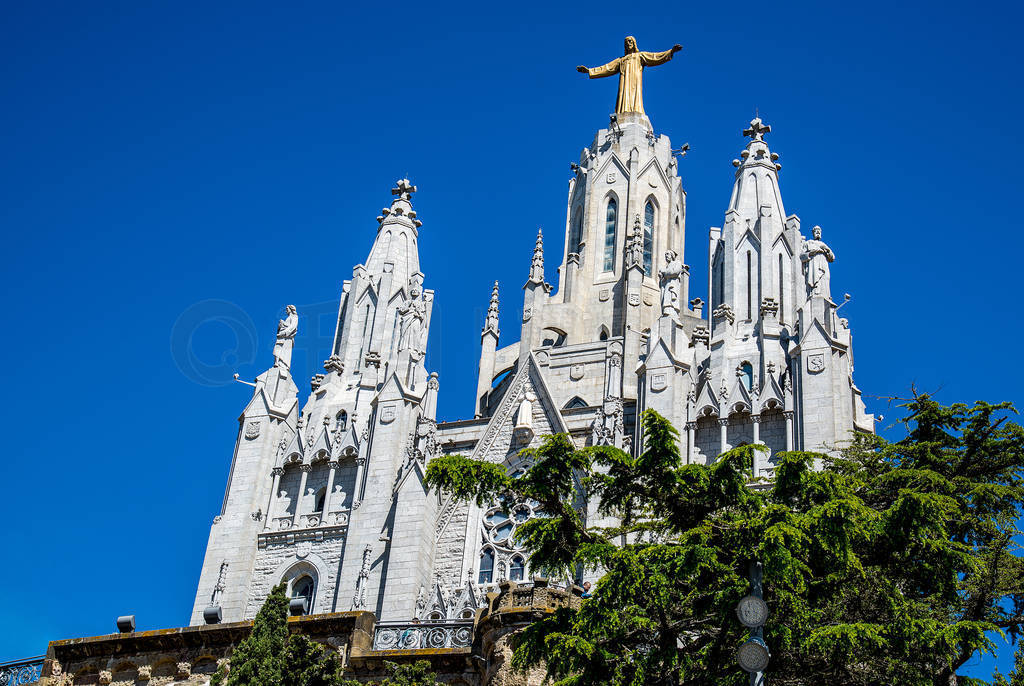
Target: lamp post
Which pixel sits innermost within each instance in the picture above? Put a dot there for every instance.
(752, 612)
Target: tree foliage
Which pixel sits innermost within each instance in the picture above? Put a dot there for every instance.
(1016, 675)
(886, 563)
(273, 656)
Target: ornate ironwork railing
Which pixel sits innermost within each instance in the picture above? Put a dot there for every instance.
(18, 672)
(413, 636)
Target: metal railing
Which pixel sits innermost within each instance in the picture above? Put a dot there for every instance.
(18, 672)
(424, 635)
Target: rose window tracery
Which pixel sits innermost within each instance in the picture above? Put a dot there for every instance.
(502, 556)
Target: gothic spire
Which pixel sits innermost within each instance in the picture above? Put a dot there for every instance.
(757, 179)
(397, 234)
(537, 267)
(492, 312)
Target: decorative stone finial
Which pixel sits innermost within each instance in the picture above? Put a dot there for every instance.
(492, 312)
(757, 129)
(635, 246)
(537, 266)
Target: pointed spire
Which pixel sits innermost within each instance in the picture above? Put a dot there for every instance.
(492, 312)
(537, 267)
(397, 231)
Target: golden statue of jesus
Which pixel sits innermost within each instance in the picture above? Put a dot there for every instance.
(630, 68)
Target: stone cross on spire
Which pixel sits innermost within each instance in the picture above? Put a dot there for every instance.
(403, 189)
(756, 131)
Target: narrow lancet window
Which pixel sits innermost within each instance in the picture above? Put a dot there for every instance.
(648, 238)
(609, 235)
(747, 375)
(486, 566)
(516, 569)
(304, 588)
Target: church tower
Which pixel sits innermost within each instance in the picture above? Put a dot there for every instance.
(331, 500)
(266, 425)
(770, 307)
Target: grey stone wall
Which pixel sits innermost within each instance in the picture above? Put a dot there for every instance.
(278, 553)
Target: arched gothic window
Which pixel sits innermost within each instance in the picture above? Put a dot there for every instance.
(341, 421)
(321, 498)
(500, 546)
(516, 568)
(747, 375)
(304, 587)
(648, 238)
(609, 235)
(486, 566)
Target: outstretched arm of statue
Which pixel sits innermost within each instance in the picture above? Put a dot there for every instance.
(651, 59)
(604, 70)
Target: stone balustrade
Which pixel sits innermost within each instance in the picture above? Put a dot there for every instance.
(422, 635)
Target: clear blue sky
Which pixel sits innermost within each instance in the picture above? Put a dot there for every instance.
(159, 155)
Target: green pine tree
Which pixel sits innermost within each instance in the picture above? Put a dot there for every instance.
(885, 565)
(272, 656)
(1016, 675)
(259, 660)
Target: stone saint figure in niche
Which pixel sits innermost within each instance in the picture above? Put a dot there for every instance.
(670, 286)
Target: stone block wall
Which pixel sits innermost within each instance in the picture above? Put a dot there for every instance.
(189, 656)
(279, 552)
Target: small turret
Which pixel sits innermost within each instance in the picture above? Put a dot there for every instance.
(488, 346)
(537, 265)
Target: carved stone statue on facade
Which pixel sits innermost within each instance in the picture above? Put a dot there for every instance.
(286, 330)
(524, 416)
(816, 256)
(523, 430)
(413, 316)
(635, 246)
(338, 498)
(284, 503)
(630, 68)
(670, 276)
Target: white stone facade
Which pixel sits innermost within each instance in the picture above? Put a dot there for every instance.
(331, 499)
